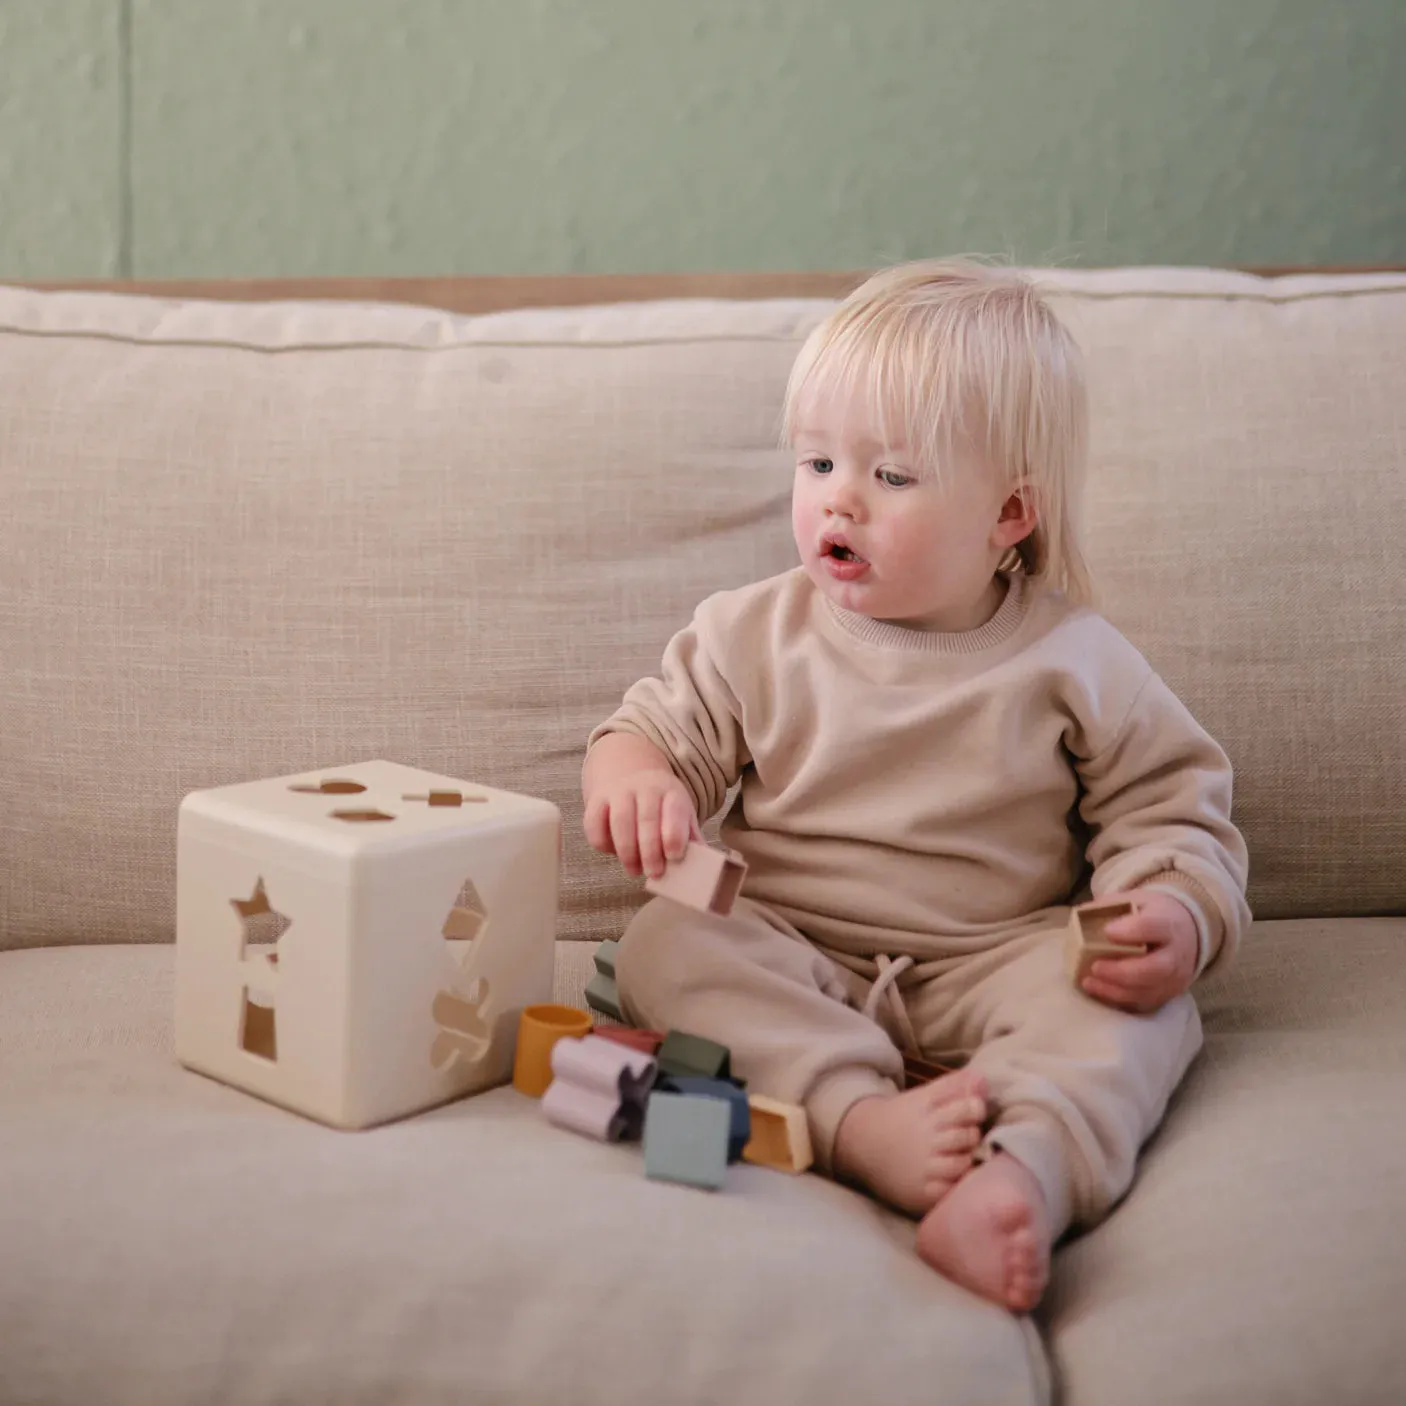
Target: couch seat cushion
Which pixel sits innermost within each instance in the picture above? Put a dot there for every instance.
(1261, 1254)
(167, 1239)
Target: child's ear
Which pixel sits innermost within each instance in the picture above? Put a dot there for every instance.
(1018, 518)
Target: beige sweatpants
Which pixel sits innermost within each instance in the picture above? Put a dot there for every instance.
(1075, 1086)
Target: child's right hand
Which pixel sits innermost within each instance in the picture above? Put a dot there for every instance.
(645, 818)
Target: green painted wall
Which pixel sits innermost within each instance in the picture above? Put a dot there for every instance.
(162, 138)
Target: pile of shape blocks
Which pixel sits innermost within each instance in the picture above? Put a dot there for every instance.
(678, 1091)
(674, 1089)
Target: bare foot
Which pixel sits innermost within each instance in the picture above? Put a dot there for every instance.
(910, 1149)
(991, 1234)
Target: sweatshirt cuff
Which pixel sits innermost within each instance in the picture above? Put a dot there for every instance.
(1210, 931)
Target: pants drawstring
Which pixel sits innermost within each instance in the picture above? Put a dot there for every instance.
(884, 985)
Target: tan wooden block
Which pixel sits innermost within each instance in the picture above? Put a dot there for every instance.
(706, 878)
(1085, 942)
(780, 1135)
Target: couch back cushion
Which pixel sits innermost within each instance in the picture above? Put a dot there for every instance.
(245, 540)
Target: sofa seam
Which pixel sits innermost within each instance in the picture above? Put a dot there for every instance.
(623, 343)
(223, 344)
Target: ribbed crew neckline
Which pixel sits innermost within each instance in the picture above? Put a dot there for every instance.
(1000, 627)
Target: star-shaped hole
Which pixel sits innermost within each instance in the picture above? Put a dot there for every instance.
(261, 925)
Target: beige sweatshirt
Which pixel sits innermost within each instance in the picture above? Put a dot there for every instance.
(904, 792)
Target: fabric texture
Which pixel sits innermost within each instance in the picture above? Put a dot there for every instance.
(243, 540)
(909, 793)
(166, 1239)
(1258, 1257)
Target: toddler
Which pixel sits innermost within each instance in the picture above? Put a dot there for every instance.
(940, 746)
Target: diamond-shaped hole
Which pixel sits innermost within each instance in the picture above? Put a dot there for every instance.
(334, 787)
(361, 815)
(466, 921)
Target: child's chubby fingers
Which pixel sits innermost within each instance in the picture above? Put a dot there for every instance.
(624, 832)
(650, 829)
(678, 825)
(1132, 983)
(596, 823)
(1129, 932)
(1138, 929)
(1157, 919)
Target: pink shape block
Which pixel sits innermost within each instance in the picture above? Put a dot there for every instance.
(599, 1088)
(706, 878)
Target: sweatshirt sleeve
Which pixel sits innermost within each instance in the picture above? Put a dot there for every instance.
(690, 712)
(1157, 800)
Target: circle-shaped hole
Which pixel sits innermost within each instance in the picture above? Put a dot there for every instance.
(361, 815)
(331, 788)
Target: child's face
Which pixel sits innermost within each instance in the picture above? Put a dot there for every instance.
(879, 536)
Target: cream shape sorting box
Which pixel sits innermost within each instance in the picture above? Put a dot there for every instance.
(357, 944)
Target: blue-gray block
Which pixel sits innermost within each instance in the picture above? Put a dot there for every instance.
(602, 996)
(605, 958)
(740, 1129)
(686, 1139)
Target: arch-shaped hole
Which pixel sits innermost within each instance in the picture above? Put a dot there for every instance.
(361, 815)
(258, 1032)
(334, 787)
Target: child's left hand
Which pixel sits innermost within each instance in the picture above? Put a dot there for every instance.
(1146, 984)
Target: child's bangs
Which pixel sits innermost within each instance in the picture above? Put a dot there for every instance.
(885, 363)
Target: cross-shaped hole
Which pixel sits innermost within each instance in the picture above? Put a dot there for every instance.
(464, 1035)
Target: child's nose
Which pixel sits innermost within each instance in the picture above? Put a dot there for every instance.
(844, 499)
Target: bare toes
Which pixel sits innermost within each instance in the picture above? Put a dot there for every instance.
(962, 1137)
(952, 1087)
(943, 1176)
(1024, 1280)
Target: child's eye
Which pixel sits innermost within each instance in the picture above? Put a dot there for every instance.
(821, 466)
(894, 479)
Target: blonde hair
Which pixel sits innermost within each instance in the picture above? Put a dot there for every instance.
(970, 356)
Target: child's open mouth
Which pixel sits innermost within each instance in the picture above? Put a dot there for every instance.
(842, 563)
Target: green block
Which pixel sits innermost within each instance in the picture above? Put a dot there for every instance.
(605, 958)
(602, 996)
(686, 1139)
(682, 1053)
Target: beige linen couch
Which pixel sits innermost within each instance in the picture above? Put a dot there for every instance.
(247, 539)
